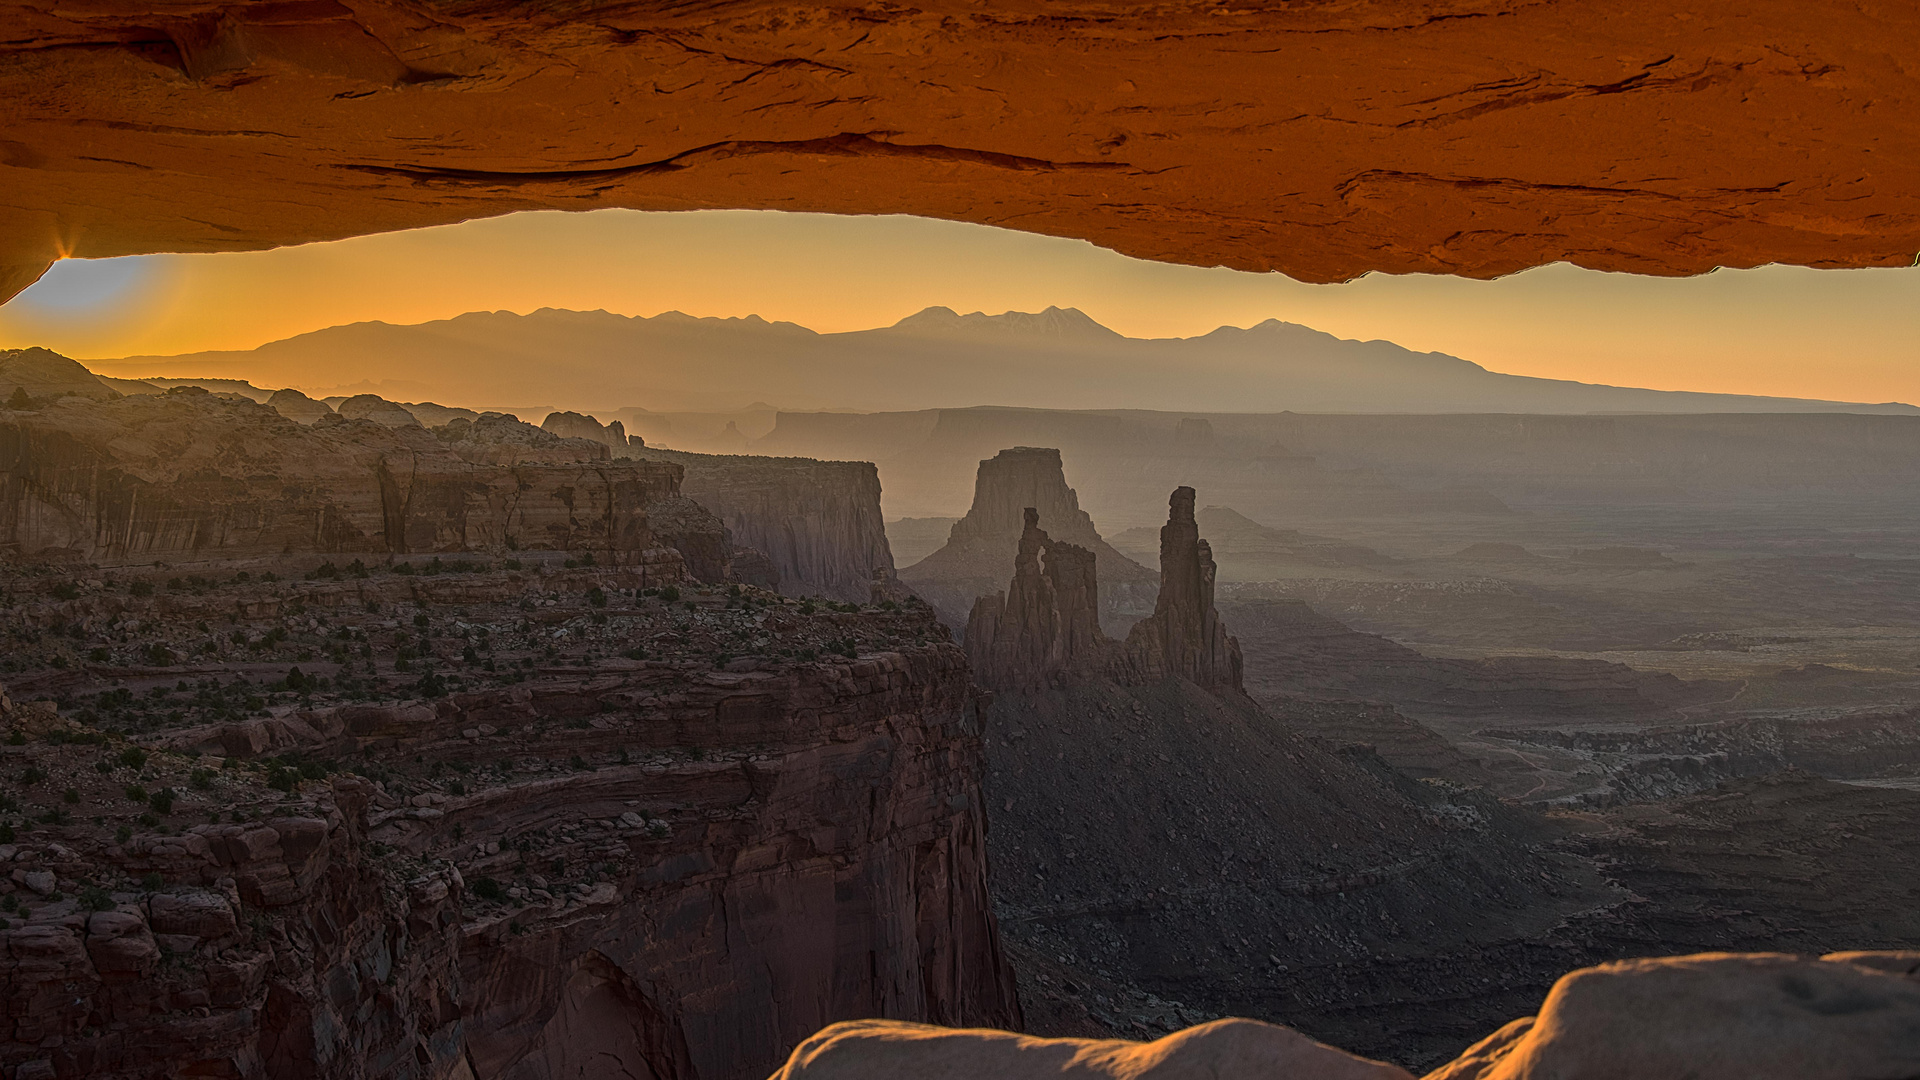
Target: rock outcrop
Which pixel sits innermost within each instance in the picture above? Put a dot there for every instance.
(573, 425)
(1221, 1050)
(1710, 1017)
(1754, 1016)
(1045, 627)
(817, 523)
(1184, 636)
(190, 474)
(377, 409)
(1419, 135)
(298, 407)
(43, 375)
(979, 553)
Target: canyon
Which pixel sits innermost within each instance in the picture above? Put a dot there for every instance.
(479, 783)
(358, 737)
(493, 850)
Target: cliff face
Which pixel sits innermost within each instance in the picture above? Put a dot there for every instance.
(190, 475)
(1184, 636)
(817, 522)
(278, 946)
(979, 553)
(674, 868)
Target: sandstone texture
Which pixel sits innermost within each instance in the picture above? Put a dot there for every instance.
(554, 822)
(1753, 1016)
(979, 554)
(1454, 136)
(816, 523)
(187, 474)
(1221, 1050)
(1715, 1017)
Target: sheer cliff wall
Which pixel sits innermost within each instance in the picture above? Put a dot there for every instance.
(817, 522)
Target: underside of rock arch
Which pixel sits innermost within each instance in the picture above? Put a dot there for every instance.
(1319, 138)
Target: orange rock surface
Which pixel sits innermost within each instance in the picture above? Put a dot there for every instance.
(1321, 138)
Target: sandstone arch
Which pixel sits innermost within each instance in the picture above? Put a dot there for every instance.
(1323, 139)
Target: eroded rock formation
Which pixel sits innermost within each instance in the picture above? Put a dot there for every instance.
(980, 551)
(817, 524)
(298, 407)
(377, 409)
(1320, 140)
(573, 425)
(1045, 627)
(44, 375)
(189, 474)
(672, 867)
(1184, 636)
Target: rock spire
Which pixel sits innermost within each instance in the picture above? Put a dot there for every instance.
(1184, 636)
(1046, 625)
(1045, 629)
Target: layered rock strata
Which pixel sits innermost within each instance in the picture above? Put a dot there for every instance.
(979, 553)
(490, 848)
(188, 475)
(817, 523)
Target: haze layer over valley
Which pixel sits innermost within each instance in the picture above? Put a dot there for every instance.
(1056, 358)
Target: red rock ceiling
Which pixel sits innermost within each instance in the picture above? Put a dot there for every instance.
(1321, 138)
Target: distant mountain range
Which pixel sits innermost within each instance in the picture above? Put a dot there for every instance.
(1058, 358)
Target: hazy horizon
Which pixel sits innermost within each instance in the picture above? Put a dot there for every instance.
(1785, 331)
(1060, 358)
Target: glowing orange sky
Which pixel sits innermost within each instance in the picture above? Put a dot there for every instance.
(1847, 335)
